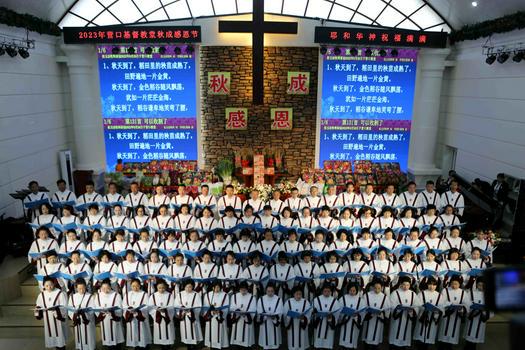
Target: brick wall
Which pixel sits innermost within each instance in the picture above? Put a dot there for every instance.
(298, 145)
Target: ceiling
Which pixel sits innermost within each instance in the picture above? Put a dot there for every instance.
(456, 12)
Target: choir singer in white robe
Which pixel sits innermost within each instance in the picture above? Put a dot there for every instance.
(50, 306)
(243, 307)
(83, 319)
(188, 305)
(296, 314)
(269, 311)
(161, 311)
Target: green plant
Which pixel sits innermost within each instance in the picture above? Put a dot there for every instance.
(224, 169)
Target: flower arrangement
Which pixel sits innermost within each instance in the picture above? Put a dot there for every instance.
(285, 187)
(224, 169)
(265, 191)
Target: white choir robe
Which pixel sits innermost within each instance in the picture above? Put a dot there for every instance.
(243, 309)
(216, 328)
(350, 326)
(291, 247)
(111, 330)
(126, 267)
(314, 203)
(203, 270)
(102, 267)
(189, 306)
(257, 205)
(44, 219)
(133, 200)
(179, 271)
(307, 270)
(54, 329)
(449, 328)
(157, 268)
(219, 249)
(482, 244)
(277, 206)
(453, 265)
(408, 267)
(328, 223)
(208, 201)
(49, 269)
(408, 222)
(269, 311)
(329, 200)
(118, 246)
(227, 223)
(346, 199)
(229, 274)
(372, 331)
(477, 321)
(139, 221)
(429, 220)
(205, 225)
(137, 332)
(144, 248)
(298, 337)
(73, 269)
(184, 222)
(328, 267)
(156, 201)
(425, 198)
(115, 221)
(179, 200)
(428, 265)
(162, 312)
(357, 267)
(401, 328)
(365, 243)
(372, 200)
(91, 220)
(428, 321)
(162, 222)
(33, 197)
(293, 203)
(268, 248)
(393, 201)
(71, 246)
(257, 277)
(363, 222)
(384, 267)
(40, 246)
(61, 197)
(226, 201)
(92, 197)
(409, 199)
(317, 247)
(64, 220)
(85, 334)
(324, 335)
(449, 220)
(244, 247)
(455, 199)
(283, 276)
(96, 245)
(269, 221)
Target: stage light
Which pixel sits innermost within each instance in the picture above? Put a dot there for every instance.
(190, 49)
(162, 50)
(2, 51)
(394, 52)
(490, 59)
(503, 57)
(148, 50)
(23, 53)
(323, 50)
(115, 50)
(474, 4)
(131, 50)
(353, 51)
(337, 51)
(382, 53)
(177, 50)
(11, 51)
(518, 56)
(368, 52)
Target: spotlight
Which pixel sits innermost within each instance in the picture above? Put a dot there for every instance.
(337, 51)
(490, 59)
(394, 52)
(148, 50)
(177, 50)
(323, 50)
(353, 51)
(2, 51)
(368, 52)
(23, 53)
(474, 4)
(162, 50)
(11, 51)
(502, 57)
(518, 56)
(131, 50)
(190, 49)
(115, 50)
(382, 53)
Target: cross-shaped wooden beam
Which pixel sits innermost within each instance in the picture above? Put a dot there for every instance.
(258, 27)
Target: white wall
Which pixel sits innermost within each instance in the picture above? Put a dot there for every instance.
(483, 111)
(34, 105)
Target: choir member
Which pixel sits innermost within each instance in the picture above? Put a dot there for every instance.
(71, 244)
(326, 221)
(46, 217)
(269, 313)
(118, 219)
(276, 204)
(371, 199)
(449, 219)
(407, 218)
(391, 199)
(330, 198)
(51, 306)
(358, 269)
(349, 199)
(104, 265)
(216, 303)
(229, 273)
(243, 307)
(296, 324)
(331, 266)
(452, 263)
(366, 219)
(52, 266)
(90, 196)
(482, 243)
(405, 306)
(163, 222)
(410, 198)
(326, 312)
(219, 246)
(350, 324)
(180, 272)
(429, 315)
(80, 304)
(139, 221)
(388, 242)
(34, 196)
(188, 306)
(269, 221)
(454, 240)
(135, 308)
(182, 198)
(229, 221)
(365, 241)
(229, 200)
(256, 275)
(111, 199)
(169, 245)
(383, 268)
(109, 315)
(477, 317)
(157, 200)
(129, 266)
(244, 247)
(377, 311)
(203, 200)
(457, 305)
(134, 199)
(184, 221)
(154, 268)
(429, 197)
(205, 270)
(291, 247)
(305, 272)
(268, 247)
(430, 217)
(77, 266)
(318, 246)
(206, 223)
(94, 217)
(282, 275)
(161, 310)
(119, 245)
(454, 198)
(63, 195)
(69, 217)
(254, 201)
(312, 201)
(293, 202)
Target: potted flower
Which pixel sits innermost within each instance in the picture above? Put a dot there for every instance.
(224, 169)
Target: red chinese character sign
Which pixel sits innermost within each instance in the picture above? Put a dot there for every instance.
(219, 83)
(282, 118)
(298, 83)
(236, 118)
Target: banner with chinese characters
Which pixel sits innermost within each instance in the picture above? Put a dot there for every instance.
(148, 103)
(282, 118)
(366, 105)
(236, 118)
(219, 83)
(298, 83)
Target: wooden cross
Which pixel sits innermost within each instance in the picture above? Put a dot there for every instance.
(257, 26)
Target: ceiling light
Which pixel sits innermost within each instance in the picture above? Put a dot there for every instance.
(474, 4)
(23, 53)
(11, 51)
(323, 50)
(502, 57)
(490, 59)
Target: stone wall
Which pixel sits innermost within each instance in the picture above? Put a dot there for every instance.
(298, 145)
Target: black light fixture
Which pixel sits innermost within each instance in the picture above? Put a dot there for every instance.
(131, 50)
(490, 59)
(177, 50)
(115, 50)
(23, 52)
(382, 52)
(503, 57)
(353, 51)
(2, 51)
(518, 56)
(368, 52)
(323, 50)
(148, 50)
(162, 50)
(11, 51)
(190, 49)
(337, 51)
(394, 53)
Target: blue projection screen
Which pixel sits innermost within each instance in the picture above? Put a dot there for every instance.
(149, 104)
(366, 106)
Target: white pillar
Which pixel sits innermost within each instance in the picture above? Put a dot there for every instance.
(89, 151)
(425, 124)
